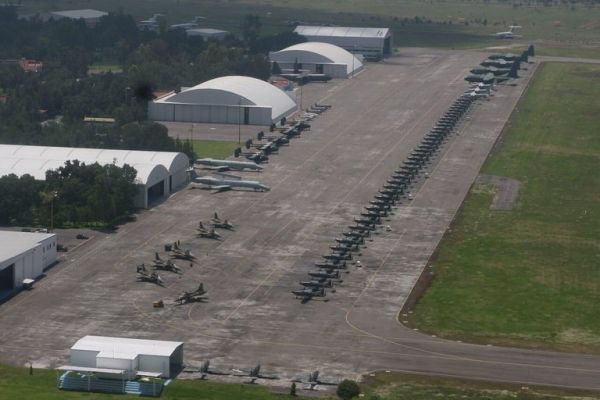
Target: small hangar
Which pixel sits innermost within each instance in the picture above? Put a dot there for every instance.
(318, 58)
(158, 173)
(225, 100)
(130, 357)
(23, 257)
(372, 43)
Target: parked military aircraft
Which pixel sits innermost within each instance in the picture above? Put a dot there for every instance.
(323, 283)
(178, 252)
(485, 78)
(193, 296)
(253, 374)
(168, 266)
(325, 275)
(308, 293)
(205, 369)
(490, 70)
(207, 233)
(337, 257)
(314, 380)
(227, 165)
(144, 276)
(227, 182)
(331, 265)
(352, 241)
(218, 223)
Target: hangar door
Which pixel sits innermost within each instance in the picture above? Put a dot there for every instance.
(387, 46)
(7, 278)
(156, 192)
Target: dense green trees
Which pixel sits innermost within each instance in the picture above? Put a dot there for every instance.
(79, 194)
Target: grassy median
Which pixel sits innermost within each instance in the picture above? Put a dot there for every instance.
(530, 276)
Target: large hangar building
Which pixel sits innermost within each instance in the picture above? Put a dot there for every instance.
(158, 173)
(372, 43)
(24, 256)
(318, 58)
(225, 100)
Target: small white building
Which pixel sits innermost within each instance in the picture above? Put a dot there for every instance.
(136, 357)
(226, 100)
(207, 33)
(318, 58)
(372, 43)
(24, 255)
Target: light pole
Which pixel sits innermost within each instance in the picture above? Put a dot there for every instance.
(239, 121)
(53, 195)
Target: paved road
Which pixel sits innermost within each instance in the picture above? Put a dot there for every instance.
(568, 59)
(318, 184)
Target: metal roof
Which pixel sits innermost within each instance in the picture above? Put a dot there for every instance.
(317, 53)
(90, 369)
(15, 243)
(36, 160)
(207, 31)
(235, 91)
(77, 14)
(125, 347)
(307, 30)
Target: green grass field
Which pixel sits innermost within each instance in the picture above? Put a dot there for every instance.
(396, 386)
(530, 276)
(560, 23)
(17, 384)
(214, 148)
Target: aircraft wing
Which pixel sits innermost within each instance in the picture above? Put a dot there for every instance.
(220, 168)
(220, 188)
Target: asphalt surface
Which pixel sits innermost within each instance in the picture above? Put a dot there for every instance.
(319, 183)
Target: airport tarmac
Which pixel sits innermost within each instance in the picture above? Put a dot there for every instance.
(319, 183)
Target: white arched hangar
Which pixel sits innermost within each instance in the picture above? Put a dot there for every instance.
(158, 173)
(225, 100)
(318, 58)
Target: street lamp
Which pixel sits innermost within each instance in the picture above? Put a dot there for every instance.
(239, 121)
(53, 195)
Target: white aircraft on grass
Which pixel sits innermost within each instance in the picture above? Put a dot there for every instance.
(508, 34)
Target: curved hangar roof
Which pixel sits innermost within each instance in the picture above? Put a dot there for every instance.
(317, 53)
(235, 91)
(151, 166)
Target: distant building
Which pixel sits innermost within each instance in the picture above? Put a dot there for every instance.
(372, 43)
(25, 64)
(207, 33)
(23, 257)
(317, 58)
(89, 16)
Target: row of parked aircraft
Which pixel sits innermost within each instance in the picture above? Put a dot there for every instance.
(393, 190)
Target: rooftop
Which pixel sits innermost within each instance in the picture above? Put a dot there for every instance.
(77, 14)
(15, 243)
(307, 30)
(125, 347)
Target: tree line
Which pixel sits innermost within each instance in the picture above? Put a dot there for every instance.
(75, 194)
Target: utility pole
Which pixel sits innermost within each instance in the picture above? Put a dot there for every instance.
(53, 195)
(239, 121)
